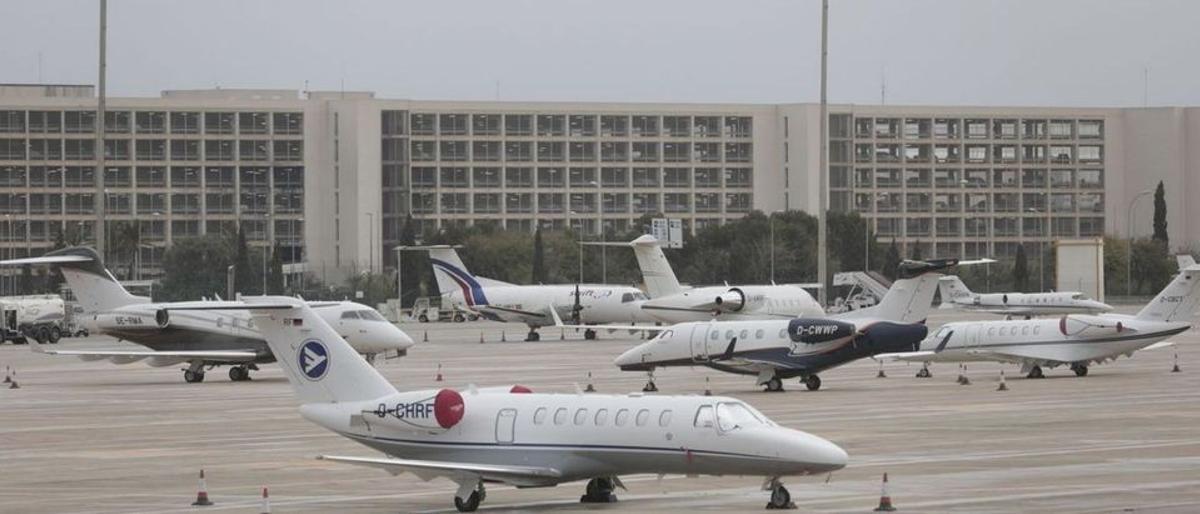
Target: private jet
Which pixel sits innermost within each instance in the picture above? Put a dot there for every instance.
(584, 304)
(203, 339)
(513, 436)
(775, 350)
(1074, 340)
(955, 295)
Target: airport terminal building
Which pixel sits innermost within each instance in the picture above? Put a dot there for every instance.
(330, 176)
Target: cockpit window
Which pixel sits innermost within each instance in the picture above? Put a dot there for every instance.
(665, 336)
(350, 315)
(639, 296)
(371, 315)
(732, 416)
(942, 332)
(627, 297)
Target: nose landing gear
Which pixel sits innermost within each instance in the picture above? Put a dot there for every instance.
(781, 499)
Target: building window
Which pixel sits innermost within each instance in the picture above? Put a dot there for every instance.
(252, 123)
(82, 149)
(252, 150)
(582, 125)
(424, 124)
(12, 122)
(551, 177)
(518, 177)
(290, 123)
(424, 151)
(645, 152)
(80, 122)
(453, 124)
(677, 177)
(583, 151)
(614, 151)
(551, 151)
(218, 123)
(518, 203)
(645, 126)
(486, 177)
(518, 151)
(454, 150)
(551, 125)
(518, 125)
(614, 177)
(454, 177)
(185, 150)
(737, 202)
(185, 122)
(614, 125)
(645, 177)
(486, 150)
(45, 122)
(153, 122)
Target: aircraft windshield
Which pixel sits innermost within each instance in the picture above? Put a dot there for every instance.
(942, 332)
(370, 315)
(732, 416)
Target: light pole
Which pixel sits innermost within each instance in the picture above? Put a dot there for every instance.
(823, 160)
(268, 221)
(7, 248)
(371, 242)
(771, 244)
(1129, 255)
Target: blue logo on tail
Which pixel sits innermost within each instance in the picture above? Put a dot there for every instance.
(314, 360)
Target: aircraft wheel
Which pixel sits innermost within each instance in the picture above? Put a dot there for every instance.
(1080, 370)
(774, 385)
(193, 377)
(1035, 372)
(239, 374)
(55, 335)
(470, 504)
(533, 336)
(780, 498)
(599, 490)
(423, 318)
(812, 382)
(459, 318)
(924, 373)
(589, 334)
(472, 317)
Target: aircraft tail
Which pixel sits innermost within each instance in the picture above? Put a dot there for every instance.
(910, 299)
(1177, 301)
(93, 285)
(952, 288)
(452, 275)
(1185, 261)
(319, 364)
(656, 270)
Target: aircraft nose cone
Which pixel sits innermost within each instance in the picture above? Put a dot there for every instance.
(632, 359)
(403, 340)
(814, 454)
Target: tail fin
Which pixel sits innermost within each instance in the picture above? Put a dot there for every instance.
(910, 299)
(93, 285)
(452, 275)
(1185, 261)
(1177, 301)
(656, 270)
(319, 364)
(952, 288)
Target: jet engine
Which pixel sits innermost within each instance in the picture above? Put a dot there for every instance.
(1089, 326)
(124, 322)
(163, 318)
(732, 300)
(421, 411)
(818, 330)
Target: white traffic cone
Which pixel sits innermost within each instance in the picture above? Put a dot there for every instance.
(885, 498)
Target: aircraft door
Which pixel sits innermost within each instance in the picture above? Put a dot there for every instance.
(506, 421)
(699, 342)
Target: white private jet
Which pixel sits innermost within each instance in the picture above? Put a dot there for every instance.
(673, 303)
(1074, 340)
(955, 295)
(584, 304)
(511, 435)
(775, 350)
(203, 340)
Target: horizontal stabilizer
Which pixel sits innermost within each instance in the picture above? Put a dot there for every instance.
(56, 259)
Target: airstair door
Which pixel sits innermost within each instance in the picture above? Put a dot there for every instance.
(699, 342)
(506, 421)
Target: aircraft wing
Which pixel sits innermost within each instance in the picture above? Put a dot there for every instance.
(558, 323)
(1158, 346)
(509, 310)
(428, 469)
(166, 358)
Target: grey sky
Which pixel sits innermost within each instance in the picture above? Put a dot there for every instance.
(1088, 53)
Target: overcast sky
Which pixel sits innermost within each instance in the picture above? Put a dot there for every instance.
(1036, 52)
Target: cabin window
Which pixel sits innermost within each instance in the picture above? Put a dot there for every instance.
(991, 331)
(728, 334)
(350, 315)
(783, 333)
(601, 417)
(664, 419)
(642, 417)
(716, 334)
(1036, 329)
(622, 417)
(1025, 330)
(560, 416)
(745, 334)
(758, 334)
(704, 417)
(539, 416)
(580, 416)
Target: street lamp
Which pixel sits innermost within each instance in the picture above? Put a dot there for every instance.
(371, 241)
(269, 220)
(771, 228)
(1129, 255)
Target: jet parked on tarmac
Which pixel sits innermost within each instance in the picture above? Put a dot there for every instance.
(673, 303)
(584, 304)
(775, 350)
(203, 340)
(511, 435)
(956, 295)
(1073, 340)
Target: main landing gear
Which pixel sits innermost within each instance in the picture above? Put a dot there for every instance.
(533, 336)
(472, 501)
(240, 373)
(589, 334)
(774, 385)
(812, 382)
(194, 373)
(780, 497)
(924, 372)
(599, 490)
(1079, 369)
(1036, 372)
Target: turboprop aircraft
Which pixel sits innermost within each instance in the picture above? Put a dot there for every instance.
(584, 304)
(776, 350)
(203, 340)
(513, 436)
(956, 295)
(673, 303)
(1073, 340)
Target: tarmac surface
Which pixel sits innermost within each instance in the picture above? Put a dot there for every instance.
(97, 437)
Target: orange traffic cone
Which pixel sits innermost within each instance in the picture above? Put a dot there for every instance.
(480, 337)
(202, 494)
(885, 499)
(590, 388)
(881, 374)
(1175, 369)
(8, 374)
(707, 388)
(438, 378)
(265, 508)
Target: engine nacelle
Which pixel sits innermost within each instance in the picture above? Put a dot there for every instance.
(124, 322)
(425, 412)
(818, 330)
(732, 300)
(162, 318)
(1089, 326)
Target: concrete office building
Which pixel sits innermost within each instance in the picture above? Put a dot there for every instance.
(331, 175)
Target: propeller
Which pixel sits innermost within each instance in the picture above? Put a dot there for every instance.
(576, 308)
